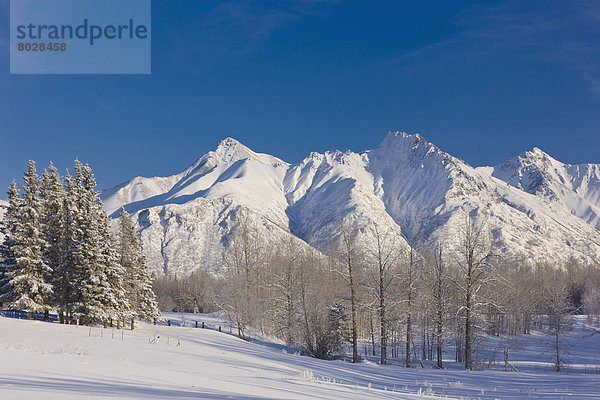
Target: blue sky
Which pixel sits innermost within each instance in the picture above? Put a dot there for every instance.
(484, 81)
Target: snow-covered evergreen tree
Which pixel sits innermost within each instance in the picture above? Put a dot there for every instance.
(27, 286)
(138, 282)
(89, 277)
(57, 251)
(115, 299)
(10, 224)
(52, 221)
(128, 257)
(339, 334)
(67, 277)
(95, 299)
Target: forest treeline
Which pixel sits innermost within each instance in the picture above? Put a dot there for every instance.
(58, 252)
(411, 303)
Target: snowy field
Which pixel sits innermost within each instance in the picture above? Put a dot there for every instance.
(52, 361)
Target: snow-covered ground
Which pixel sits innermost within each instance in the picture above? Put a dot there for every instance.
(53, 361)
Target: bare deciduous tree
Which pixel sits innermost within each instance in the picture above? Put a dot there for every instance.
(475, 253)
(437, 278)
(410, 284)
(348, 234)
(382, 278)
(557, 307)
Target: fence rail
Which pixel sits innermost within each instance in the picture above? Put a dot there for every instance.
(19, 314)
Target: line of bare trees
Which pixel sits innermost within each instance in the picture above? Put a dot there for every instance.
(390, 295)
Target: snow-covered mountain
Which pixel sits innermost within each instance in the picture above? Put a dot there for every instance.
(186, 221)
(576, 187)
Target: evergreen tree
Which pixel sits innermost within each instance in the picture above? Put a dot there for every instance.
(28, 288)
(57, 251)
(67, 278)
(339, 335)
(10, 225)
(115, 298)
(138, 282)
(52, 221)
(128, 257)
(95, 299)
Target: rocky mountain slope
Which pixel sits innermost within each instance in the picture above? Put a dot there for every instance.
(575, 187)
(534, 206)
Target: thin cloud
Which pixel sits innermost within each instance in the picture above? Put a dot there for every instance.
(237, 28)
(561, 33)
(243, 19)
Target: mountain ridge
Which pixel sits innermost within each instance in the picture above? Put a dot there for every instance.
(403, 182)
(577, 187)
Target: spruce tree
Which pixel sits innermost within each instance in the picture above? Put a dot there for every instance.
(115, 299)
(52, 221)
(28, 288)
(339, 334)
(10, 225)
(67, 277)
(94, 300)
(138, 282)
(57, 251)
(128, 257)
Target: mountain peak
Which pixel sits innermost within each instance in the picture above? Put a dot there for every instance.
(394, 138)
(398, 134)
(538, 158)
(408, 145)
(229, 142)
(537, 152)
(230, 149)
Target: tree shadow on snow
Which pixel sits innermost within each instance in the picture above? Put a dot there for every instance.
(103, 387)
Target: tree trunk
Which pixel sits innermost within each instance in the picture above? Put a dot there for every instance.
(352, 299)
(409, 308)
(408, 338)
(383, 358)
(439, 339)
(290, 318)
(424, 341)
(382, 298)
(354, 323)
(468, 334)
(372, 328)
(557, 347)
